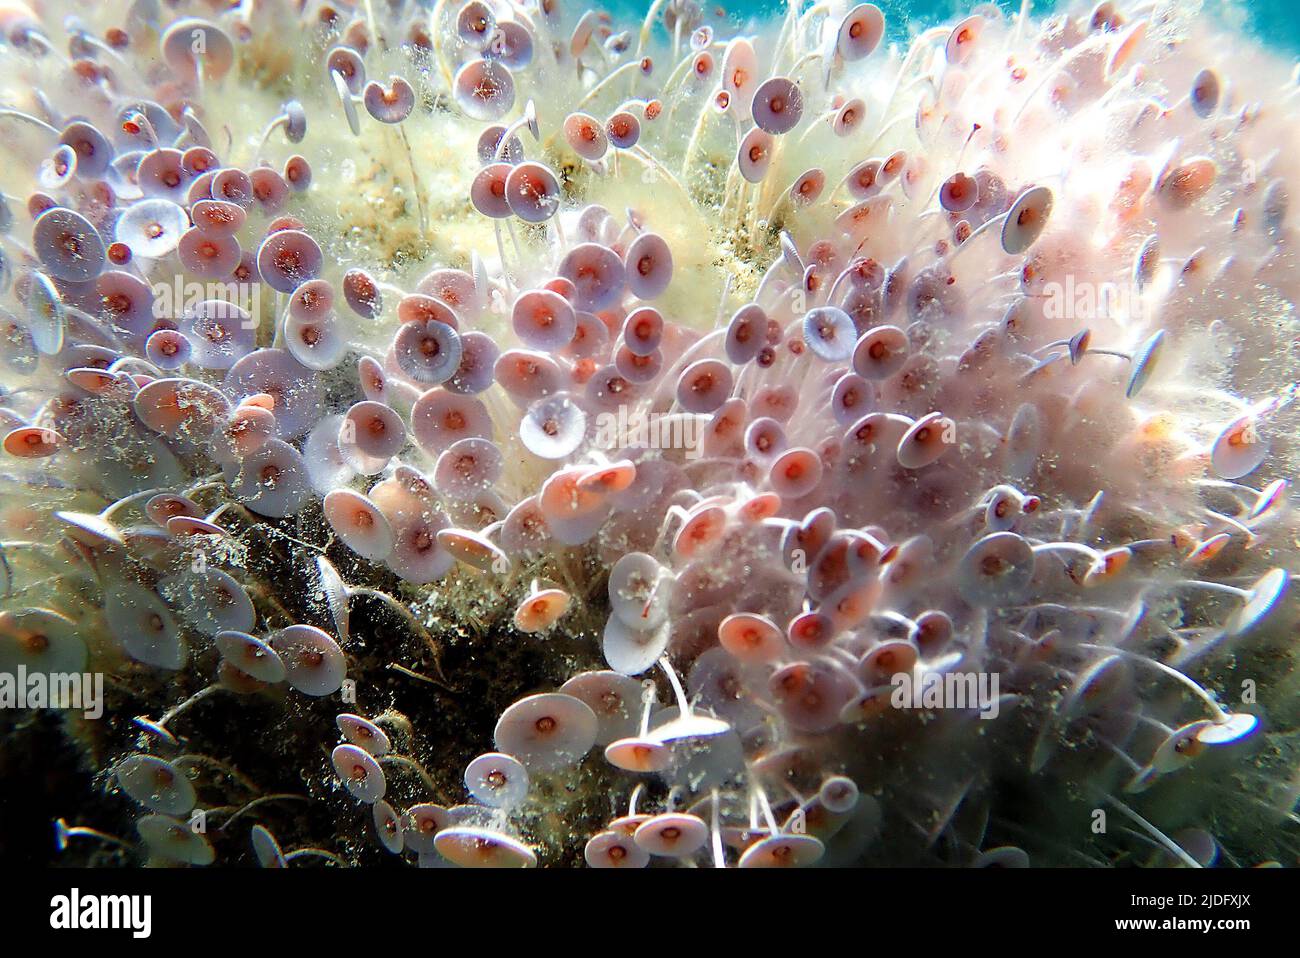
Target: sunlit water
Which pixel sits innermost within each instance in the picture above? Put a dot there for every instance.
(1277, 22)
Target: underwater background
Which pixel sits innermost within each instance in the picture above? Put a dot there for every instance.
(1275, 21)
(729, 234)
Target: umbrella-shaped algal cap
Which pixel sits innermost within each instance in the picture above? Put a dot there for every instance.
(427, 351)
(632, 651)
(527, 375)
(41, 640)
(1206, 89)
(472, 548)
(423, 822)
(359, 523)
(704, 385)
(1145, 360)
(471, 847)
(489, 142)
(297, 173)
(220, 333)
(996, 570)
(643, 330)
(233, 185)
(484, 89)
(455, 288)
(488, 191)
(649, 266)
(296, 389)
(266, 848)
(313, 662)
(959, 193)
(144, 626)
(838, 794)
(1233, 727)
(1239, 449)
(541, 609)
(168, 349)
(964, 39)
(808, 187)
(1025, 220)
(1004, 856)
(125, 301)
(672, 835)
(251, 655)
(548, 731)
(1178, 749)
(208, 255)
(287, 259)
(363, 733)
(270, 190)
(388, 827)
(317, 341)
(740, 76)
(777, 106)
(497, 780)
(860, 32)
(795, 473)
(213, 600)
(586, 136)
(553, 427)
(783, 851)
(272, 481)
(47, 317)
(362, 293)
(829, 333)
(417, 555)
(467, 468)
(623, 129)
(389, 104)
(69, 245)
(746, 333)
(90, 529)
(754, 155)
(887, 659)
(639, 754)
(175, 841)
(751, 637)
(334, 592)
(598, 276)
(613, 697)
(1261, 599)
(370, 435)
(181, 408)
(925, 441)
(94, 152)
(1182, 184)
(191, 45)
(347, 63)
(611, 849)
(543, 319)
(359, 772)
(525, 529)
(639, 591)
(156, 784)
(151, 228)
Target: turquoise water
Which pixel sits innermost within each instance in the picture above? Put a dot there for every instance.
(1277, 22)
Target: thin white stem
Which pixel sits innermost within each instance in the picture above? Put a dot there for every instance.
(1219, 714)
